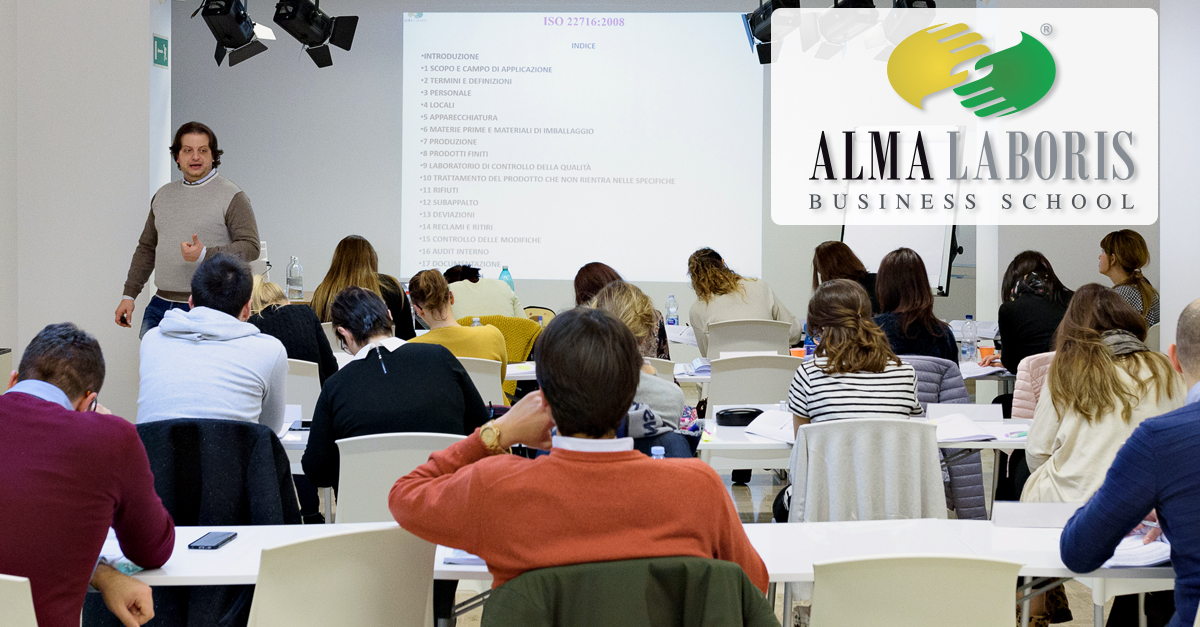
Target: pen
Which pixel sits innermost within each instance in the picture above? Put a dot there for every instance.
(1150, 523)
(1017, 434)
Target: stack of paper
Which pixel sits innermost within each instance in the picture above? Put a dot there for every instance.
(960, 428)
(461, 557)
(774, 424)
(681, 334)
(972, 370)
(699, 366)
(1132, 553)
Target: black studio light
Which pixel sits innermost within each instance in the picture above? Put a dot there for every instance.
(314, 28)
(758, 26)
(233, 29)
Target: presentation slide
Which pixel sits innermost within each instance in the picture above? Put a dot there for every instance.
(544, 141)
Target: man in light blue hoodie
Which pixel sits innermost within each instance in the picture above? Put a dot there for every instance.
(209, 362)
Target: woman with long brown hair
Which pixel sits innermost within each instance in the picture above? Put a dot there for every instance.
(356, 264)
(722, 294)
(434, 303)
(835, 260)
(1123, 255)
(854, 373)
(906, 300)
(593, 277)
(1104, 381)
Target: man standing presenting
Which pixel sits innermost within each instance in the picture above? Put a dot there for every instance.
(205, 212)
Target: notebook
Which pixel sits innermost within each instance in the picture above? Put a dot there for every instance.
(698, 366)
(773, 424)
(462, 558)
(1133, 553)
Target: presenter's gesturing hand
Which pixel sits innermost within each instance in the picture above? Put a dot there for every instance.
(528, 422)
(124, 312)
(191, 250)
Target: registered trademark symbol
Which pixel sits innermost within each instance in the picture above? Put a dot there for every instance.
(1047, 29)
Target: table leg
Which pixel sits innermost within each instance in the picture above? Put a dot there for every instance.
(771, 594)
(995, 479)
(1098, 615)
(1142, 609)
(329, 504)
(787, 606)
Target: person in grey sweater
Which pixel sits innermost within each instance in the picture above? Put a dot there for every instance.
(209, 362)
(190, 221)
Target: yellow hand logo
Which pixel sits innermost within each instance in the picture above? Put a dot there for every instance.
(922, 63)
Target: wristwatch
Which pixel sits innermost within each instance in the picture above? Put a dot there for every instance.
(490, 434)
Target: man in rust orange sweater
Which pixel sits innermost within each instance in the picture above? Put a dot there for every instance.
(594, 498)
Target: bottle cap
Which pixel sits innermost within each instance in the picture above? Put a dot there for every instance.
(969, 317)
(658, 450)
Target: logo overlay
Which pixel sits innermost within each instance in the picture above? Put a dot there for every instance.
(923, 64)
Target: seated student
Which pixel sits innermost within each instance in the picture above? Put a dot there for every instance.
(907, 304)
(658, 403)
(853, 373)
(433, 302)
(476, 297)
(1102, 384)
(391, 386)
(69, 471)
(592, 278)
(209, 362)
(1122, 255)
(356, 263)
(1034, 302)
(722, 295)
(835, 260)
(593, 498)
(1154, 476)
(298, 328)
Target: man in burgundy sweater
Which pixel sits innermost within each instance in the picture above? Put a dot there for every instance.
(593, 498)
(68, 471)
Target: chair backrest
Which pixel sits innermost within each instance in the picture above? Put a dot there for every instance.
(303, 386)
(16, 602)
(546, 313)
(1153, 337)
(485, 373)
(748, 335)
(330, 335)
(367, 578)
(663, 368)
(371, 464)
(751, 380)
(866, 469)
(927, 591)
(654, 591)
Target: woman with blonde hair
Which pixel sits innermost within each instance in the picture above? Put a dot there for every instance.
(658, 404)
(296, 327)
(1104, 381)
(434, 303)
(722, 295)
(1123, 255)
(356, 264)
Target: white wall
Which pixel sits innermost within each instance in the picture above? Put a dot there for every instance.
(8, 180)
(1180, 65)
(82, 107)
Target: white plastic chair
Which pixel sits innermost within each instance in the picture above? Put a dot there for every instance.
(664, 369)
(1103, 591)
(751, 380)
(16, 602)
(914, 591)
(303, 386)
(370, 466)
(485, 373)
(1153, 337)
(748, 335)
(331, 335)
(372, 578)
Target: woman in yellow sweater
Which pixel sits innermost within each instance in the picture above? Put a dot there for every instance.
(434, 303)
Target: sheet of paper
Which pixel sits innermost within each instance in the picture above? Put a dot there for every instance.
(773, 424)
(959, 428)
(987, 330)
(291, 416)
(973, 370)
(1133, 553)
(681, 334)
(462, 558)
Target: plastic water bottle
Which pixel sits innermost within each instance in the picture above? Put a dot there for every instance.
(295, 280)
(968, 347)
(658, 452)
(540, 323)
(810, 345)
(507, 278)
(475, 322)
(672, 310)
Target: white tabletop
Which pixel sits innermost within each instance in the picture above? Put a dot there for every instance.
(521, 371)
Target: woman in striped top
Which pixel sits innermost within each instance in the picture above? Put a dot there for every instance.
(854, 373)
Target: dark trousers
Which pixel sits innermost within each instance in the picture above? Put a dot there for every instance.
(155, 311)
(310, 502)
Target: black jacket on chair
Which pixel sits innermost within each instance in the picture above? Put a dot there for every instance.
(212, 472)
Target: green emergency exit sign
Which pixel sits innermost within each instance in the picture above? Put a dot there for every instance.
(160, 51)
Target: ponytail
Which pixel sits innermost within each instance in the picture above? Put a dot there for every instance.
(1129, 250)
(1144, 288)
(429, 291)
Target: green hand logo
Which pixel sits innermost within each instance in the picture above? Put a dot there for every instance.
(1020, 77)
(923, 63)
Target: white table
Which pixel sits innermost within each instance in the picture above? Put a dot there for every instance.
(521, 371)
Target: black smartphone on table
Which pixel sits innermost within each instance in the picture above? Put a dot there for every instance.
(213, 540)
